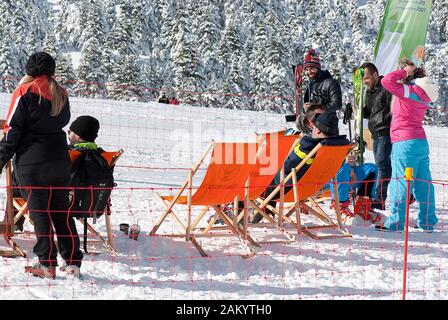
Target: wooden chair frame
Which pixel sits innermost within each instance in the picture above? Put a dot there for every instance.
(7, 228)
(188, 229)
(309, 204)
(231, 225)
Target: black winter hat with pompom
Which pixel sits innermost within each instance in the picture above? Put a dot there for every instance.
(39, 64)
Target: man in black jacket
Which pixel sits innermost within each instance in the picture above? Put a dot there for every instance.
(322, 87)
(377, 111)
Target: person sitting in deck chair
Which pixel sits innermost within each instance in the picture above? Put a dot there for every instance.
(324, 130)
(318, 126)
(89, 169)
(359, 181)
(83, 132)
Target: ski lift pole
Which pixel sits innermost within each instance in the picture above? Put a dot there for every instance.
(408, 177)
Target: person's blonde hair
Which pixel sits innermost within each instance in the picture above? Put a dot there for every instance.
(58, 94)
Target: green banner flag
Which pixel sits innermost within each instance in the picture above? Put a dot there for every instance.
(402, 33)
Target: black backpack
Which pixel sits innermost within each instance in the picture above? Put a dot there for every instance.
(93, 180)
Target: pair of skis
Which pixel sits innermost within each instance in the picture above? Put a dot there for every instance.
(299, 91)
(359, 91)
(298, 78)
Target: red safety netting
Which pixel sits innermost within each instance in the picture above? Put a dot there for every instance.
(161, 144)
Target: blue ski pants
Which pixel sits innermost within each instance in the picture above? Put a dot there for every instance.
(362, 172)
(414, 154)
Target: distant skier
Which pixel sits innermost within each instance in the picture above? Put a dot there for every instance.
(410, 147)
(174, 101)
(164, 99)
(322, 87)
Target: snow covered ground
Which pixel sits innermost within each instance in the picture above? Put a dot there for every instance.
(160, 143)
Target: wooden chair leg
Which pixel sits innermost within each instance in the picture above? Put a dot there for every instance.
(165, 214)
(15, 250)
(109, 231)
(98, 236)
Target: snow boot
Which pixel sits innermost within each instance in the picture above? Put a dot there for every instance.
(41, 271)
(423, 228)
(71, 270)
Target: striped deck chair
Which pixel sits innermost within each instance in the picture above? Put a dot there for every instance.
(301, 198)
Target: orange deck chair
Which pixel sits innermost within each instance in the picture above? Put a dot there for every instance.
(225, 180)
(7, 227)
(111, 157)
(301, 198)
(272, 151)
(277, 147)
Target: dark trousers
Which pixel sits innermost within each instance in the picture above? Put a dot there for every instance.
(382, 148)
(366, 187)
(49, 208)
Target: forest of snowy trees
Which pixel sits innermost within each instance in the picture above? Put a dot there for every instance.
(218, 53)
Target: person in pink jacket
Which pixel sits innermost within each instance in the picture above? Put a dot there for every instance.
(410, 147)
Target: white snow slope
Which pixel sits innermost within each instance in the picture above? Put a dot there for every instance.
(160, 143)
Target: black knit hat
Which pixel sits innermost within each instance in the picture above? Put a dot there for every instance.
(39, 64)
(327, 123)
(86, 127)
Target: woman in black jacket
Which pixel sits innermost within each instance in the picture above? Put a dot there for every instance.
(38, 112)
